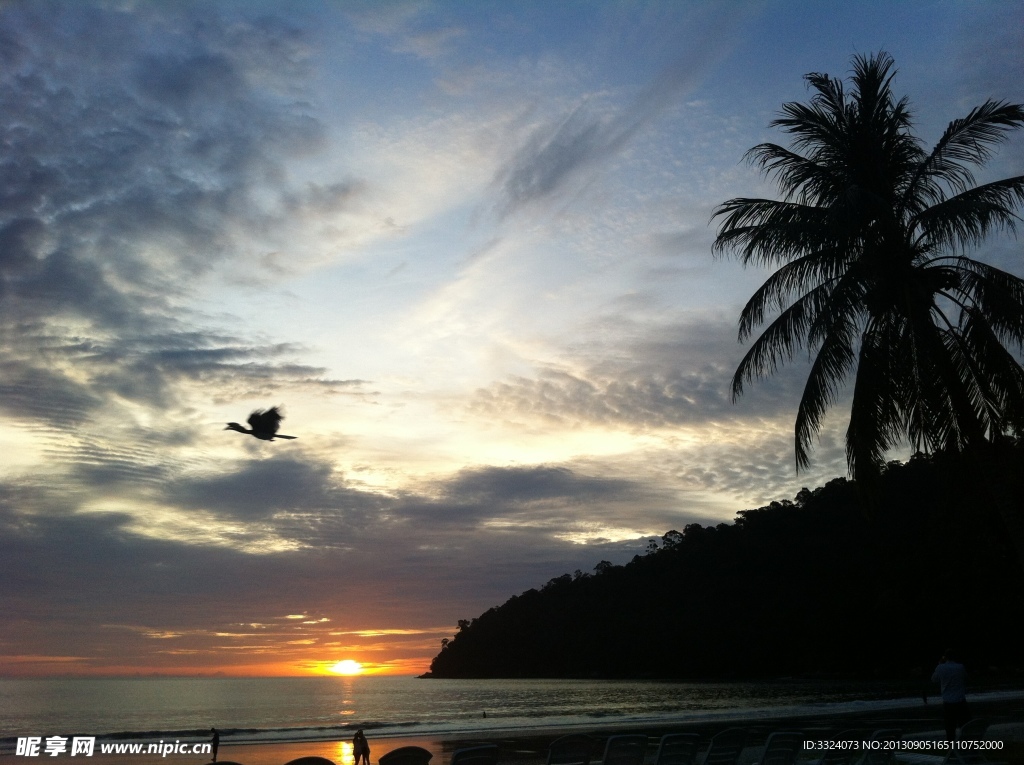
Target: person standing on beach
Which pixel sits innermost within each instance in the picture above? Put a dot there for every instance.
(952, 679)
(214, 743)
(360, 748)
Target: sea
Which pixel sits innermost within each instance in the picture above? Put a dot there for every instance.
(282, 710)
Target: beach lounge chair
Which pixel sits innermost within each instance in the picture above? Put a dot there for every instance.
(406, 755)
(476, 755)
(308, 760)
(973, 730)
(677, 749)
(571, 750)
(726, 747)
(625, 750)
(782, 748)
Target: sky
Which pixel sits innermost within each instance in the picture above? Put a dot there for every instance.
(465, 245)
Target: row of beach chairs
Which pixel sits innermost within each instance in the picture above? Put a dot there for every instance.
(725, 748)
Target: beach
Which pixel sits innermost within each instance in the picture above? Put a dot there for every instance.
(526, 747)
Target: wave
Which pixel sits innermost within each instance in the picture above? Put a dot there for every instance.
(520, 722)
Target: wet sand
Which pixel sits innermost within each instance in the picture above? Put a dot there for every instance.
(524, 747)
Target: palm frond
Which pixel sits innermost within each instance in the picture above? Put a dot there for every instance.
(968, 140)
(874, 418)
(834, 360)
(997, 295)
(1000, 375)
(967, 218)
(872, 80)
(938, 389)
(800, 179)
(780, 340)
(966, 387)
(924, 401)
(801, 275)
(821, 125)
(768, 231)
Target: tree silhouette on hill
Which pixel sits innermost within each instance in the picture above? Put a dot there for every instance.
(816, 585)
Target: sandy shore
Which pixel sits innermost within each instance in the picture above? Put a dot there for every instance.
(530, 747)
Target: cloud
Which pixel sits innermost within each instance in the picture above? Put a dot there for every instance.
(559, 153)
(260, 488)
(363, 549)
(528, 501)
(562, 398)
(120, 190)
(660, 394)
(410, 28)
(144, 149)
(206, 209)
(640, 374)
(135, 161)
(516, 485)
(32, 392)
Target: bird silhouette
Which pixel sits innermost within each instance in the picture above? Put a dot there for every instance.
(263, 424)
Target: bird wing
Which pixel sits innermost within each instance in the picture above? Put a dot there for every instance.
(255, 419)
(266, 422)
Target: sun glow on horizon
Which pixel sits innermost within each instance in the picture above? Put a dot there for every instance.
(347, 667)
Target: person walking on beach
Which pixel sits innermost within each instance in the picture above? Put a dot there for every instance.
(214, 743)
(360, 748)
(952, 679)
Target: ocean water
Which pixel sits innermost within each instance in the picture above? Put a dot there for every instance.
(251, 710)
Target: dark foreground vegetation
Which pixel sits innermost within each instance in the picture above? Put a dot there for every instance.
(831, 583)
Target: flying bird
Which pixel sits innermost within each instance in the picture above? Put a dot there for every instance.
(264, 425)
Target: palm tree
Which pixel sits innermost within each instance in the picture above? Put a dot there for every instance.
(872, 279)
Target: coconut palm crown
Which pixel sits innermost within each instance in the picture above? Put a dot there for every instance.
(870, 241)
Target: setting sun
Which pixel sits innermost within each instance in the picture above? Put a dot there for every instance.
(347, 667)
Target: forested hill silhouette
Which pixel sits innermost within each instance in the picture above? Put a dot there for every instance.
(824, 584)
